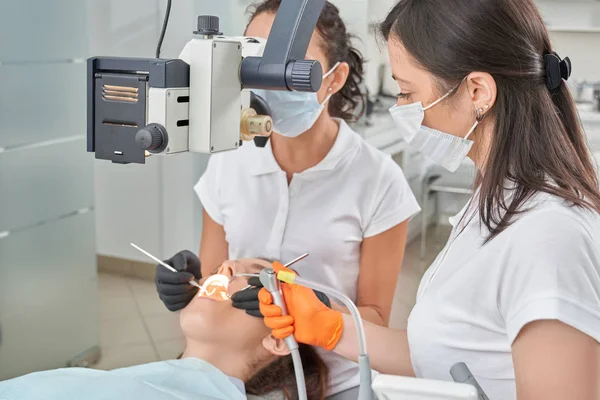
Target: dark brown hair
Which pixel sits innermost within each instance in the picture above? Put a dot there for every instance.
(280, 376)
(538, 144)
(348, 103)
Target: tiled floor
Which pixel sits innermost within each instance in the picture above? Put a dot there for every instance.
(136, 328)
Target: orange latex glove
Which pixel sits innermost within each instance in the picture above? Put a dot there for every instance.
(311, 321)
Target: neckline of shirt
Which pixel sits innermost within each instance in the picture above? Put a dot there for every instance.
(263, 161)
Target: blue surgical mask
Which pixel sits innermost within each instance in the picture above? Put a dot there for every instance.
(294, 113)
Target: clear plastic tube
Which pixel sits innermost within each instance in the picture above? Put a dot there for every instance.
(365, 391)
(360, 331)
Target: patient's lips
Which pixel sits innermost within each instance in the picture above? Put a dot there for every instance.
(215, 288)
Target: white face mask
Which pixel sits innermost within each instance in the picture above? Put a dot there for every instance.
(443, 148)
(294, 113)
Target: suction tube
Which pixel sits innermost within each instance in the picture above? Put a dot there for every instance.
(268, 278)
(365, 391)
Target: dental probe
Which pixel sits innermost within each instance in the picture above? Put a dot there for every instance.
(167, 266)
(294, 261)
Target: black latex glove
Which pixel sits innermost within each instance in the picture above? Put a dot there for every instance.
(247, 300)
(173, 287)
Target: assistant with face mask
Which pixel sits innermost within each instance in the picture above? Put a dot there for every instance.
(316, 187)
(515, 293)
(294, 113)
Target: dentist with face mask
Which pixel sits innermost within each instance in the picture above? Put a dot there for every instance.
(442, 148)
(316, 187)
(515, 293)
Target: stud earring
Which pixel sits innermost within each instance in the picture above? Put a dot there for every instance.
(330, 89)
(479, 114)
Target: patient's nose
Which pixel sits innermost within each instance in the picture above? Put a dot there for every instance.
(227, 269)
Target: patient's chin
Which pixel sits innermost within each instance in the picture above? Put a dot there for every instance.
(204, 307)
(203, 312)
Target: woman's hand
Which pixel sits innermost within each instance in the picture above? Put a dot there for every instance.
(309, 319)
(173, 287)
(247, 299)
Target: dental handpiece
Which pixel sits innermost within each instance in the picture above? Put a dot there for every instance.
(268, 277)
(461, 374)
(269, 280)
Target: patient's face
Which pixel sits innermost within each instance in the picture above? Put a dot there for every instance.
(206, 319)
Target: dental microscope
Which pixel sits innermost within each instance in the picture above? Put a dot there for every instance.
(139, 107)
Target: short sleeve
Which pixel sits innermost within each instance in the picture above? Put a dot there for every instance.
(552, 273)
(208, 190)
(394, 201)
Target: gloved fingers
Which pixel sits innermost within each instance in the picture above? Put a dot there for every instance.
(255, 281)
(265, 297)
(166, 289)
(185, 260)
(192, 263)
(177, 261)
(247, 305)
(180, 298)
(163, 275)
(270, 310)
(283, 333)
(279, 322)
(323, 297)
(255, 313)
(242, 296)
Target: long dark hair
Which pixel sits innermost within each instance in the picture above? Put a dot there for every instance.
(348, 103)
(538, 144)
(280, 376)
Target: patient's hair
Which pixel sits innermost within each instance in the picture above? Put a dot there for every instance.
(349, 103)
(279, 376)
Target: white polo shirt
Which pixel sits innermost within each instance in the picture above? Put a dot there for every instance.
(475, 298)
(355, 192)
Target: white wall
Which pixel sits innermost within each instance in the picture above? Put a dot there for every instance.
(584, 51)
(575, 33)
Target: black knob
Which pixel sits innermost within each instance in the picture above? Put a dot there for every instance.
(304, 75)
(208, 25)
(153, 137)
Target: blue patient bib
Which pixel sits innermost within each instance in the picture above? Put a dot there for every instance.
(187, 379)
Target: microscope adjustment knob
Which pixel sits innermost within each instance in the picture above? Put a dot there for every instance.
(208, 25)
(304, 75)
(153, 138)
